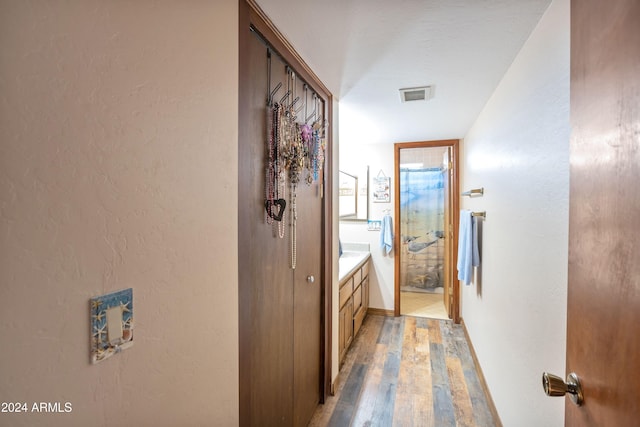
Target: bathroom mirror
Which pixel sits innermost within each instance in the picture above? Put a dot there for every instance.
(353, 194)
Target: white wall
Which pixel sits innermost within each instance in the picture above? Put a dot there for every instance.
(381, 275)
(118, 168)
(518, 150)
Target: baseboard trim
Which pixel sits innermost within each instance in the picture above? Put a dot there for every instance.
(380, 312)
(483, 382)
(335, 384)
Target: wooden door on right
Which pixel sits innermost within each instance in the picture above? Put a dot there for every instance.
(603, 318)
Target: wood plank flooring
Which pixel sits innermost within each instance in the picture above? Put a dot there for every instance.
(407, 371)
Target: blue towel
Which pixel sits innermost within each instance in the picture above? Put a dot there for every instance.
(386, 234)
(468, 256)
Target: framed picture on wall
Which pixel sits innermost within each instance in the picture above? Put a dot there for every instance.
(381, 189)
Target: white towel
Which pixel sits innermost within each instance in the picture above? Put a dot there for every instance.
(468, 256)
(386, 234)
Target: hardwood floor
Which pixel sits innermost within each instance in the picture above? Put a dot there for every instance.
(407, 371)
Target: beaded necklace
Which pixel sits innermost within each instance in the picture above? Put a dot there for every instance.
(274, 183)
(295, 161)
(274, 202)
(319, 146)
(292, 148)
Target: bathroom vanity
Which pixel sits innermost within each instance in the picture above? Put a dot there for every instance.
(354, 296)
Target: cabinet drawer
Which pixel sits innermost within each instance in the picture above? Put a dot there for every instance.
(357, 277)
(357, 298)
(365, 270)
(345, 291)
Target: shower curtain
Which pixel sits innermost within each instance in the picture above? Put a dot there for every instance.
(422, 229)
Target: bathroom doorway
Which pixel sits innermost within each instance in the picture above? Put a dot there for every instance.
(426, 229)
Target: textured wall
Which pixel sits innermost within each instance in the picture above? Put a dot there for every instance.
(378, 157)
(518, 150)
(118, 168)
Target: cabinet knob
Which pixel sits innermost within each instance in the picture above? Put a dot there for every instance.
(311, 279)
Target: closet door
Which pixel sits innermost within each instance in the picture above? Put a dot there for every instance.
(280, 307)
(265, 279)
(307, 303)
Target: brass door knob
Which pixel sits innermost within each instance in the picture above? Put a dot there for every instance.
(554, 386)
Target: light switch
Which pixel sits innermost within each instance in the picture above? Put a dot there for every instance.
(114, 325)
(111, 324)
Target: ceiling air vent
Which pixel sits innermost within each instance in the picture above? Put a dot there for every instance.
(415, 94)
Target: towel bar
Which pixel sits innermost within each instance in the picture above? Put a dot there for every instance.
(481, 214)
(478, 192)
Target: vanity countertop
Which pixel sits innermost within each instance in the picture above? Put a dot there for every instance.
(350, 261)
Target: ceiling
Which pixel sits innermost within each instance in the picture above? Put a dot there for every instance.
(364, 51)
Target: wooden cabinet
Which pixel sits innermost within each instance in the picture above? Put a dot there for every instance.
(354, 302)
(345, 328)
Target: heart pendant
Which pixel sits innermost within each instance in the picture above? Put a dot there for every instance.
(270, 205)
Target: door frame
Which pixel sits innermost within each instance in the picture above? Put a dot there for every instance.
(455, 213)
(252, 18)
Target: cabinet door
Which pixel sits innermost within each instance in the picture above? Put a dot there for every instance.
(345, 328)
(341, 332)
(349, 323)
(358, 318)
(365, 294)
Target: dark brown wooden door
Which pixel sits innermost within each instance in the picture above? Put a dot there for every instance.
(307, 304)
(266, 297)
(280, 309)
(603, 345)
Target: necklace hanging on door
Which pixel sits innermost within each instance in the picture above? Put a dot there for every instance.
(293, 148)
(274, 201)
(295, 156)
(319, 142)
(294, 229)
(306, 133)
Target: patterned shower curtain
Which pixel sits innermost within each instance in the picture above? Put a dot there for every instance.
(422, 227)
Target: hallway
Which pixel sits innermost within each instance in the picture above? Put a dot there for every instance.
(407, 371)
